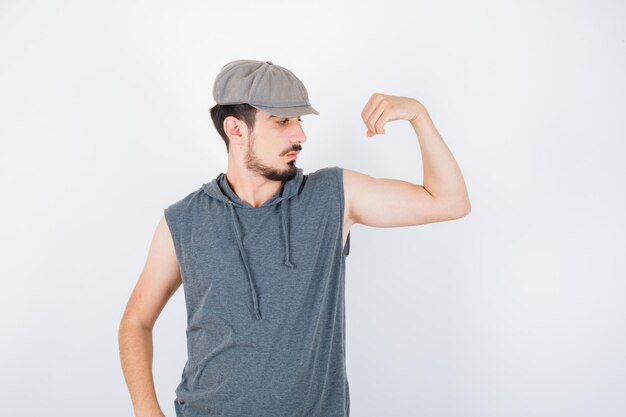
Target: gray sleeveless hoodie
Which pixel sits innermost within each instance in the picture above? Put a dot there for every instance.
(264, 292)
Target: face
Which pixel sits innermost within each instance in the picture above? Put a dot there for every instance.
(270, 142)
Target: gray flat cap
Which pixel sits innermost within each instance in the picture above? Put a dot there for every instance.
(263, 85)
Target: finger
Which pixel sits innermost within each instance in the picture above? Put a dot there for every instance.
(377, 120)
(370, 108)
(371, 120)
(371, 130)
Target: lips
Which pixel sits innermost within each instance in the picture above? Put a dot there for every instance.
(293, 153)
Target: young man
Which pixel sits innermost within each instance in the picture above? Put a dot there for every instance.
(261, 250)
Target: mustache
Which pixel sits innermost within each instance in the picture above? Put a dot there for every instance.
(295, 149)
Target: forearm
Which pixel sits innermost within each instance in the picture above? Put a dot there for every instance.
(135, 344)
(442, 176)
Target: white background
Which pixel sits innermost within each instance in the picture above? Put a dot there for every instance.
(515, 310)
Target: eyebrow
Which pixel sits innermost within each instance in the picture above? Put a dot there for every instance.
(278, 117)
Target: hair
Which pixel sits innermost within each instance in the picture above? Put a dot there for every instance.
(243, 112)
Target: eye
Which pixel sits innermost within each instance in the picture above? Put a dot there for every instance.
(284, 122)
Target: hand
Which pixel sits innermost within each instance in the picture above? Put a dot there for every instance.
(382, 108)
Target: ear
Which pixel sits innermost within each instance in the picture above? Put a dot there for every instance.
(235, 129)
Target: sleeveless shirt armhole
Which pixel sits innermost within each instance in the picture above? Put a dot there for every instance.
(345, 251)
(171, 225)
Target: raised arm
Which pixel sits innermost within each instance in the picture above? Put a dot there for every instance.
(382, 202)
(157, 283)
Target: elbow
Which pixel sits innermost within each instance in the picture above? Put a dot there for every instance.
(461, 210)
(134, 323)
(467, 209)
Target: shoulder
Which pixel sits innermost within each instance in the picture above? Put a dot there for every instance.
(184, 204)
(326, 177)
(325, 187)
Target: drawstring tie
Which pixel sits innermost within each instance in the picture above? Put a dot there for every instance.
(287, 261)
(283, 221)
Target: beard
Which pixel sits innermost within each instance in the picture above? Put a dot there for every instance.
(254, 164)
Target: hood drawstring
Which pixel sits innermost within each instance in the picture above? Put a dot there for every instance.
(255, 302)
(220, 190)
(287, 262)
(283, 221)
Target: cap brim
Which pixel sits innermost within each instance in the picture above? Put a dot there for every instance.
(287, 111)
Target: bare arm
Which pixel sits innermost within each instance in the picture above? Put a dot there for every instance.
(386, 202)
(158, 281)
(442, 176)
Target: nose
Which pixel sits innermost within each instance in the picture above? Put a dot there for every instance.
(299, 135)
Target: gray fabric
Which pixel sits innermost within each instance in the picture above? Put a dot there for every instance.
(264, 85)
(264, 291)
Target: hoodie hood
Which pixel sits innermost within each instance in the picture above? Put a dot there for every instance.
(219, 189)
